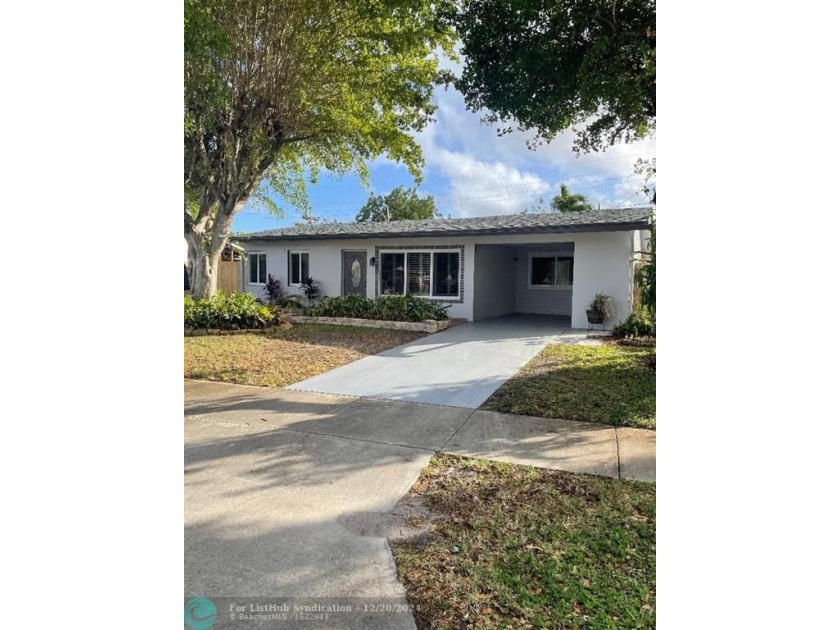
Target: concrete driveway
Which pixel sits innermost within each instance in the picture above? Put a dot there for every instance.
(276, 483)
(459, 367)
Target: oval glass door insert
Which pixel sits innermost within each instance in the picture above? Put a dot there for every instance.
(356, 272)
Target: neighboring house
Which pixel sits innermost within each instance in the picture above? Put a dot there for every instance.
(483, 267)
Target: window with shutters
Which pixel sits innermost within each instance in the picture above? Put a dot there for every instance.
(447, 273)
(419, 273)
(393, 274)
(431, 274)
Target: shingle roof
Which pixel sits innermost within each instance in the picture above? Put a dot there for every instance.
(593, 221)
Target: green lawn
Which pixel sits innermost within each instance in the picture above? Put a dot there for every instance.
(285, 357)
(518, 547)
(611, 383)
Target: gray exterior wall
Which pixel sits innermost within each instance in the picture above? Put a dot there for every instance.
(541, 300)
(495, 281)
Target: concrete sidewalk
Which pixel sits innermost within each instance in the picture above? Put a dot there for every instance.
(273, 477)
(543, 442)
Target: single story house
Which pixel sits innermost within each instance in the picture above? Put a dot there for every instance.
(482, 267)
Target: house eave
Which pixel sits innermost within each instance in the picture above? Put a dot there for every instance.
(611, 227)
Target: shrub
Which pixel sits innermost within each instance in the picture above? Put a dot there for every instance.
(273, 290)
(310, 290)
(639, 324)
(290, 301)
(399, 308)
(227, 312)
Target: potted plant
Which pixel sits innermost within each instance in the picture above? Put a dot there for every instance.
(600, 309)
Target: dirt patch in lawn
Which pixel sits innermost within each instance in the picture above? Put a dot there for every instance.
(409, 521)
(610, 383)
(518, 547)
(285, 357)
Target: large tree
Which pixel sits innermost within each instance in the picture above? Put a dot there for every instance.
(552, 65)
(398, 205)
(568, 202)
(277, 90)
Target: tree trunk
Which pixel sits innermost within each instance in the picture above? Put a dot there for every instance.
(205, 242)
(204, 272)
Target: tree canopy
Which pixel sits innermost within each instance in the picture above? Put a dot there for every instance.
(567, 202)
(553, 65)
(398, 205)
(277, 90)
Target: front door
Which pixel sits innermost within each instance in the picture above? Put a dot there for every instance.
(353, 264)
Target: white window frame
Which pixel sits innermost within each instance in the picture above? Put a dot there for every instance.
(431, 252)
(257, 284)
(300, 266)
(549, 287)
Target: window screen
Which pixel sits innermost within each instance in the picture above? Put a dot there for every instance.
(554, 271)
(304, 266)
(419, 273)
(393, 274)
(447, 274)
(294, 268)
(542, 270)
(565, 271)
(256, 268)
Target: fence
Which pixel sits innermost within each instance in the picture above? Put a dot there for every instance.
(230, 276)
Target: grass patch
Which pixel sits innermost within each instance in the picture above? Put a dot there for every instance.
(518, 547)
(612, 383)
(285, 357)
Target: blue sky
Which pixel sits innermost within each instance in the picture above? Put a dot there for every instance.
(473, 172)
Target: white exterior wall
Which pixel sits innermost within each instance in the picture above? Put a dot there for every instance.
(602, 264)
(325, 264)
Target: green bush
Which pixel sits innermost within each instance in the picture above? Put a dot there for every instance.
(398, 308)
(227, 312)
(639, 324)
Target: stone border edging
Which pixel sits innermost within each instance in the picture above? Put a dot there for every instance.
(427, 325)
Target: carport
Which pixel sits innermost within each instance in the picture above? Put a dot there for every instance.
(525, 278)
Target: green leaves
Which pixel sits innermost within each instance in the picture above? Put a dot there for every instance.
(285, 88)
(396, 308)
(567, 202)
(277, 90)
(236, 311)
(638, 325)
(400, 204)
(646, 276)
(552, 65)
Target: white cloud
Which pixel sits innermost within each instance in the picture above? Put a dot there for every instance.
(473, 161)
(478, 188)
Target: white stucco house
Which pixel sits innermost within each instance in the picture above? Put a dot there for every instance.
(483, 267)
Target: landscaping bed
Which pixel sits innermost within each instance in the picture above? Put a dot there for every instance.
(506, 546)
(283, 357)
(611, 383)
